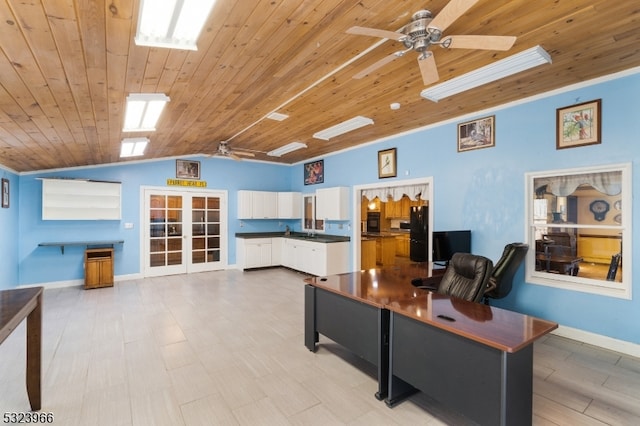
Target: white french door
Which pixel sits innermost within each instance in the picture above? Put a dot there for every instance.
(184, 231)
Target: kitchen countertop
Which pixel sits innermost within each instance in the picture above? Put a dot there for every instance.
(384, 234)
(316, 238)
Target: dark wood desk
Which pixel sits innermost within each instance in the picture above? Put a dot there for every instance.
(16, 305)
(350, 310)
(474, 358)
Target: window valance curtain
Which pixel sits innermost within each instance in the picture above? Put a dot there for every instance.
(609, 183)
(395, 192)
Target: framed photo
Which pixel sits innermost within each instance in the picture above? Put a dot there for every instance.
(314, 172)
(477, 134)
(5, 193)
(578, 125)
(387, 163)
(187, 169)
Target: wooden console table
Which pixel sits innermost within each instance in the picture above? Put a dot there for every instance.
(16, 305)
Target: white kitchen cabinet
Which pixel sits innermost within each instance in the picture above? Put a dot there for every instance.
(319, 259)
(257, 205)
(289, 205)
(277, 248)
(332, 203)
(253, 252)
(244, 205)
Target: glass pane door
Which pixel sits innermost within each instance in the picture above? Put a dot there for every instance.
(205, 232)
(166, 251)
(185, 231)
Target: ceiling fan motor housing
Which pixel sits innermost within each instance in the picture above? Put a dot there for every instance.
(420, 36)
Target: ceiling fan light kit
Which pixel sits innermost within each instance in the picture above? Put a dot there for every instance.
(133, 147)
(143, 111)
(514, 64)
(342, 128)
(173, 24)
(285, 149)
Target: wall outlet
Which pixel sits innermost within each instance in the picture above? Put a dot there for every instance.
(128, 225)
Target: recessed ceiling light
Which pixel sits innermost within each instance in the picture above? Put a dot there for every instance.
(174, 24)
(133, 147)
(344, 127)
(143, 111)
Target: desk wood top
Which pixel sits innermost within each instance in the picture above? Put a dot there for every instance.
(15, 305)
(391, 288)
(499, 328)
(379, 286)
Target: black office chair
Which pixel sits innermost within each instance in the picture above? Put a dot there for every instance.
(466, 277)
(501, 279)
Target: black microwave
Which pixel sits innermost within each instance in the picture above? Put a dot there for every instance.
(373, 222)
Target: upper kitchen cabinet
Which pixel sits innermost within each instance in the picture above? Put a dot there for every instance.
(332, 203)
(289, 205)
(257, 205)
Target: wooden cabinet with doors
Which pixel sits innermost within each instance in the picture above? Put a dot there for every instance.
(98, 268)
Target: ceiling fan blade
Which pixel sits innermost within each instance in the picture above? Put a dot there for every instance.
(452, 11)
(246, 154)
(374, 32)
(234, 156)
(428, 69)
(376, 65)
(479, 42)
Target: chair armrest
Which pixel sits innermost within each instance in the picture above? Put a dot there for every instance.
(427, 283)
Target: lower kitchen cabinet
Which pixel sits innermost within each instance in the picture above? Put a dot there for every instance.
(314, 258)
(98, 268)
(319, 259)
(253, 252)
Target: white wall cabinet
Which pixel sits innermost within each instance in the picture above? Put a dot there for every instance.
(257, 205)
(332, 203)
(80, 199)
(289, 205)
(269, 205)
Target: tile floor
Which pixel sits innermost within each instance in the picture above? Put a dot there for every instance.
(226, 348)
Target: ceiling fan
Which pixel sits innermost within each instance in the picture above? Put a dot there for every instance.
(225, 151)
(424, 31)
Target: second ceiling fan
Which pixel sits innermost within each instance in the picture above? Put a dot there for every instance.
(425, 31)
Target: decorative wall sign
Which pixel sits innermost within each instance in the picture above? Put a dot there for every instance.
(314, 172)
(477, 134)
(578, 125)
(5, 193)
(187, 169)
(387, 163)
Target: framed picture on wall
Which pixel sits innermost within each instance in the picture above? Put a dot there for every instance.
(314, 172)
(578, 125)
(387, 163)
(5, 193)
(477, 134)
(187, 169)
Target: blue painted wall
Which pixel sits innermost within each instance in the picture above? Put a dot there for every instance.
(9, 239)
(481, 190)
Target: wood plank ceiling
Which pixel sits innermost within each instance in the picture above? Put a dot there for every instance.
(66, 67)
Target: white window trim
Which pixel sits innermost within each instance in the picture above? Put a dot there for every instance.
(620, 290)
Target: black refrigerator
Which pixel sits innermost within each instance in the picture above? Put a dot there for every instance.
(419, 228)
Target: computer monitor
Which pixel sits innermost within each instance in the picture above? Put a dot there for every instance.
(445, 243)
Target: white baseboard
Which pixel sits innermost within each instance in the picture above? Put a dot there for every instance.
(628, 348)
(80, 282)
